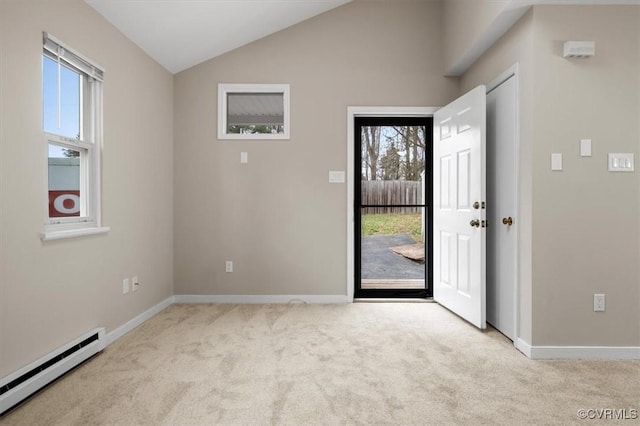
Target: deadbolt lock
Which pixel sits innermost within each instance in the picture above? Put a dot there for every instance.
(474, 223)
(478, 205)
(507, 221)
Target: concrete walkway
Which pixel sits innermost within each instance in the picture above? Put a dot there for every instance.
(379, 262)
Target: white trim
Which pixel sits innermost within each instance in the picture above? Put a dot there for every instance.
(393, 300)
(260, 298)
(586, 352)
(117, 333)
(514, 71)
(72, 56)
(523, 347)
(89, 145)
(352, 113)
(224, 89)
(73, 233)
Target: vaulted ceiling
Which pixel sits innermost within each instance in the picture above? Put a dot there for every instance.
(182, 33)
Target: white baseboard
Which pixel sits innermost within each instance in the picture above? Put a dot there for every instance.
(261, 298)
(117, 333)
(586, 352)
(530, 351)
(523, 347)
(578, 352)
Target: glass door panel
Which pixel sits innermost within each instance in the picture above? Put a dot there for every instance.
(392, 215)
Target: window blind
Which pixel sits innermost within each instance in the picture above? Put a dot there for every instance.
(60, 52)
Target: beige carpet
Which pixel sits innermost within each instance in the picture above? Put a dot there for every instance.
(360, 364)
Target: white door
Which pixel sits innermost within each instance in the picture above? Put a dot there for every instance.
(501, 207)
(458, 200)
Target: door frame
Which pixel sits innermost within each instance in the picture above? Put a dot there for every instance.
(513, 72)
(427, 209)
(352, 113)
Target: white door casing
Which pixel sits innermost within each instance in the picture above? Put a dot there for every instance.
(459, 219)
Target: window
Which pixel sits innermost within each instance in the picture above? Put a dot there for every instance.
(72, 126)
(253, 111)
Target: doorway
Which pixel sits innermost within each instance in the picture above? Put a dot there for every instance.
(392, 214)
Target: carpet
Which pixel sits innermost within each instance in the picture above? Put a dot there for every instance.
(351, 364)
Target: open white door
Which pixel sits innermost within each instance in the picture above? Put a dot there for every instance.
(459, 218)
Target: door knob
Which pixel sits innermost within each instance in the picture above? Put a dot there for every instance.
(475, 223)
(507, 221)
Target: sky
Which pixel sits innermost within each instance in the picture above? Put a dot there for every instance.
(64, 121)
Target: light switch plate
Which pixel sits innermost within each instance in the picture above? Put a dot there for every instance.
(585, 147)
(336, 176)
(556, 162)
(244, 157)
(621, 162)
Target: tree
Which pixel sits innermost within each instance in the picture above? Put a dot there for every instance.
(70, 153)
(412, 139)
(263, 129)
(390, 163)
(371, 136)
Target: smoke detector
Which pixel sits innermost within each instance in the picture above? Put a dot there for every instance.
(579, 49)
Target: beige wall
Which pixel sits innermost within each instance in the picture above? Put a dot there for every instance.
(586, 220)
(579, 228)
(52, 292)
(277, 217)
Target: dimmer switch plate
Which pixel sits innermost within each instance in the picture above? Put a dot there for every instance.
(621, 162)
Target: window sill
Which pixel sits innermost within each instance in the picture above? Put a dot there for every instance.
(73, 233)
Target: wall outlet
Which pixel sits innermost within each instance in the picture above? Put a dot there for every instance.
(228, 266)
(126, 286)
(598, 302)
(135, 283)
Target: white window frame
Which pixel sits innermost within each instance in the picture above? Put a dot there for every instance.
(89, 144)
(224, 89)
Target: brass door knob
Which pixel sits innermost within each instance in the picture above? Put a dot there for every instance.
(475, 223)
(507, 221)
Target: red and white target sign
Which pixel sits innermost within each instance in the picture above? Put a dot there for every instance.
(64, 203)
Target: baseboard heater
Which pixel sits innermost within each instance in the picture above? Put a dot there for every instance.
(17, 386)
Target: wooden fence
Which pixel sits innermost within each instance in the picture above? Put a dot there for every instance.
(390, 192)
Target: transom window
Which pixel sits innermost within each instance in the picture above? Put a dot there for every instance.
(253, 111)
(72, 127)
